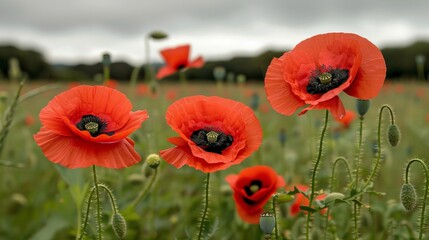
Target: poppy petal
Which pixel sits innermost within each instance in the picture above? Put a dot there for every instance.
(165, 71)
(73, 152)
(372, 72)
(174, 57)
(279, 92)
(334, 105)
(196, 63)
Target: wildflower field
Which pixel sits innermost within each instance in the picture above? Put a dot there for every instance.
(42, 200)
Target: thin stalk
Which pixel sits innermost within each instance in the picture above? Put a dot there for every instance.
(112, 198)
(81, 232)
(358, 163)
(206, 206)
(313, 177)
(349, 175)
(425, 169)
(145, 191)
(377, 163)
(276, 227)
(97, 195)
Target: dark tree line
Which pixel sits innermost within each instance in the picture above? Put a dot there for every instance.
(400, 61)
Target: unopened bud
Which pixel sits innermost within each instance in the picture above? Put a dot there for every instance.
(333, 196)
(408, 196)
(394, 135)
(284, 198)
(153, 160)
(267, 223)
(106, 60)
(119, 225)
(362, 106)
(158, 35)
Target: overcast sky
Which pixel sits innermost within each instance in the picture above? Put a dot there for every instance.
(81, 30)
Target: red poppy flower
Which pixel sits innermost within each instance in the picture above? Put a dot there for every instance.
(142, 89)
(111, 83)
(301, 200)
(253, 187)
(318, 69)
(347, 119)
(89, 125)
(215, 133)
(29, 120)
(177, 59)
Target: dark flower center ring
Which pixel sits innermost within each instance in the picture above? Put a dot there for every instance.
(254, 186)
(211, 141)
(322, 81)
(93, 124)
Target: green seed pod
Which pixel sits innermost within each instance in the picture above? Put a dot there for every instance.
(394, 135)
(362, 106)
(408, 196)
(284, 198)
(153, 160)
(267, 223)
(333, 196)
(158, 35)
(119, 225)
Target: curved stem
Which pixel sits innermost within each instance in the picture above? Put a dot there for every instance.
(112, 198)
(85, 222)
(206, 205)
(97, 195)
(145, 191)
(313, 177)
(422, 216)
(349, 175)
(377, 163)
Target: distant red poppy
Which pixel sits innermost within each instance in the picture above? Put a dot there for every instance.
(29, 120)
(318, 69)
(177, 59)
(301, 200)
(111, 83)
(171, 95)
(89, 125)
(215, 133)
(253, 187)
(142, 89)
(347, 119)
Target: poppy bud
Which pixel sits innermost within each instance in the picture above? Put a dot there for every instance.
(106, 59)
(158, 35)
(14, 69)
(119, 225)
(333, 196)
(267, 223)
(219, 73)
(362, 106)
(408, 196)
(284, 198)
(394, 135)
(153, 160)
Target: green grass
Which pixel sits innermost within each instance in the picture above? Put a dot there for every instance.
(38, 201)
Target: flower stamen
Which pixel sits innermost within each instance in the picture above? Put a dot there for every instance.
(211, 141)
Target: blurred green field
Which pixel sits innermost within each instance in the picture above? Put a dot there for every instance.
(38, 199)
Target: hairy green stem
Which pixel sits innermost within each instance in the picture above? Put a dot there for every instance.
(377, 163)
(8, 117)
(313, 177)
(85, 222)
(97, 195)
(425, 169)
(276, 227)
(145, 191)
(358, 163)
(206, 206)
(112, 198)
(349, 175)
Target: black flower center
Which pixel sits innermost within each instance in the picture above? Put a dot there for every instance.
(251, 189)
(93, 124)
(211, 141)
(326, 79)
